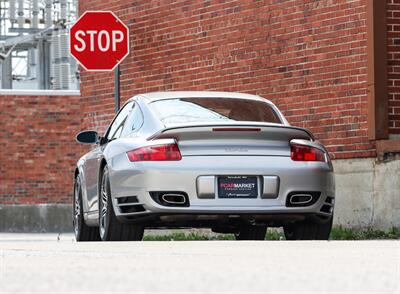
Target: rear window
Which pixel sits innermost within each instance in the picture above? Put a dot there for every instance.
(197, 110)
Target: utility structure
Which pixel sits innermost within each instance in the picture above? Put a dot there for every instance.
(34, 52)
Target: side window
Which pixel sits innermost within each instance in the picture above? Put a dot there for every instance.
(133, 122)
(117, 125)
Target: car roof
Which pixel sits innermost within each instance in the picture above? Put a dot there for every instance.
(155, 96)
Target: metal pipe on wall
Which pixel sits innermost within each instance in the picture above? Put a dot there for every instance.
(48, 13)
(31, 65)
(55, 59)
(35, 14)
(76, 6)
(43, 64)
(11, 11)
(51, 48)
(6, 73)
(21, 18)
(64, 60)
(63, 11)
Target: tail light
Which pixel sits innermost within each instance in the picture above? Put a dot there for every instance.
(167, 152)
(306, 153)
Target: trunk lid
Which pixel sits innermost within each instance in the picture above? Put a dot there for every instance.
(234, 139)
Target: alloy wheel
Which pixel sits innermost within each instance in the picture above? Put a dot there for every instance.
(104, 205)
(77, 207)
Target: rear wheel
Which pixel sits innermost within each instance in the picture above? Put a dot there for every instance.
(308, 230)
(251, 232)
(82, 231)
(110, 228)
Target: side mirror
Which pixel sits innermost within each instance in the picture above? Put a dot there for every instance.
(88, 137)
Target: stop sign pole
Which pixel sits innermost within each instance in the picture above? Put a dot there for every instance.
(99, 41)
(117, 88)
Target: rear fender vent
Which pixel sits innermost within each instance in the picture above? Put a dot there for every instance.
(328, 205)
(129, 204)
(326, 208)
(132, 208)
(330, 200)
(129, 199)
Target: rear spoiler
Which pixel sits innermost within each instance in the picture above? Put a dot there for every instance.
(172, 131)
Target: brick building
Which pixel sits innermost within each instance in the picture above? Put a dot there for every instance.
(330, 66)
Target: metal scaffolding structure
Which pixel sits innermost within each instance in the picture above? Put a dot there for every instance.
(34, 52)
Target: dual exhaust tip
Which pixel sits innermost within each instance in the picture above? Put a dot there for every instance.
(294, 199)
(180, 199)
(299, 199)
(171, 198)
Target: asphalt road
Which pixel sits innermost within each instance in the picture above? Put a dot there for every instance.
(42, 264)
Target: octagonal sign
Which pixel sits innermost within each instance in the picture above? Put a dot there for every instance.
(99, 40)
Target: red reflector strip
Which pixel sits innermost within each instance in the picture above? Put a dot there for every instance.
(236, 129)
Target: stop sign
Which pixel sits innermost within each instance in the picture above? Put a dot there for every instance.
(99, 40)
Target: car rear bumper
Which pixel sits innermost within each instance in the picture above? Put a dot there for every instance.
(133, 183)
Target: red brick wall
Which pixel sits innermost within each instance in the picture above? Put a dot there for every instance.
(309, 57)
(393, 27)
(38, 149)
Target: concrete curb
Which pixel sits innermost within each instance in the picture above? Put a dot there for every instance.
(55, 218)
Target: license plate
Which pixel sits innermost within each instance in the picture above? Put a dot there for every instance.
(237, 187)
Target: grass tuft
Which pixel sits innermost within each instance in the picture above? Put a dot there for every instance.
(338, 233)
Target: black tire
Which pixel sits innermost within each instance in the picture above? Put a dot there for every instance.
(251, 232)
(83, 233)
(110, 229)
(308, 230)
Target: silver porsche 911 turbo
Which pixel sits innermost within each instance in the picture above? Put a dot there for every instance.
(226, 161)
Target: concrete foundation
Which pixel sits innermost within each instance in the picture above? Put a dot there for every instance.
(36, 218)
(367, 196)
(368, 193)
